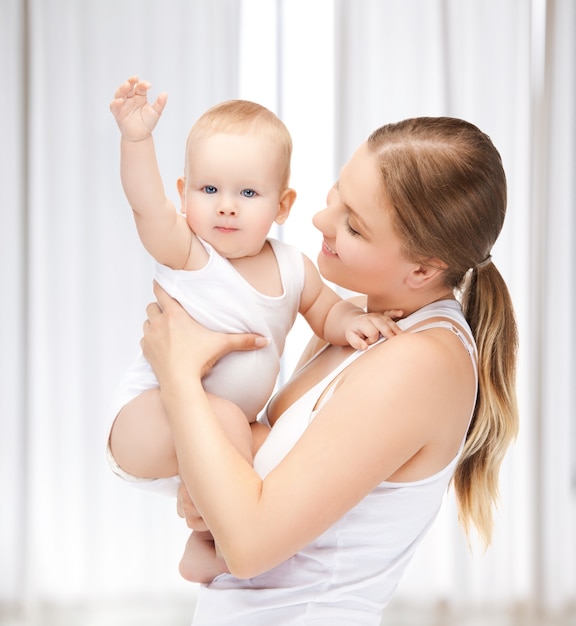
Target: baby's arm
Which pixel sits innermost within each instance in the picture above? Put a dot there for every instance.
(338, 321)
(360, 329)
(163, 231)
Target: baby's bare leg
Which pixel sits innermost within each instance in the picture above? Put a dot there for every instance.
(141, 440)
(259, 433)
(201, 562)
(142, 445)
(235, 424)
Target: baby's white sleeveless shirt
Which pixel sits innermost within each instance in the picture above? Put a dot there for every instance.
(348, 574)
(220, 298)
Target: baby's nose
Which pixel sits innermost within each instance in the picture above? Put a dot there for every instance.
(227, 209)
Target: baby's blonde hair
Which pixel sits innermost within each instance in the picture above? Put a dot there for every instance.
(241, 117)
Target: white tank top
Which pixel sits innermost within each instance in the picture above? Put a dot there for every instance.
(346, 576)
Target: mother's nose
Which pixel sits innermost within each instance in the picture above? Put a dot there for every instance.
(321, 219)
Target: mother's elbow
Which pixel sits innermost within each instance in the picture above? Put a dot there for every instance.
(244, 562)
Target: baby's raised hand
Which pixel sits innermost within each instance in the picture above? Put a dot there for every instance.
(135, 116)
(367, 328)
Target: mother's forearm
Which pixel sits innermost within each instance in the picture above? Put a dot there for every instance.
(222, 483)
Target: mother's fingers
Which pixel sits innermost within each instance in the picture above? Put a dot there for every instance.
(163, 301)
(228, 342)
(174, 341)
(162, 297)
(188, 511)
(246, 341)
(153, 309)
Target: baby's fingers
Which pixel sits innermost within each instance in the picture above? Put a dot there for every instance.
(386, 326)
(160, 103)
(126, 88)
(356, 340)
(141, 88)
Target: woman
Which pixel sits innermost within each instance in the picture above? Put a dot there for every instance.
(363, 444)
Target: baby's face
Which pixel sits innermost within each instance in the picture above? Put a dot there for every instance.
(231, 196)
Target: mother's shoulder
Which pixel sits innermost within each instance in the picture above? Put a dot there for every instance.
(417, 353)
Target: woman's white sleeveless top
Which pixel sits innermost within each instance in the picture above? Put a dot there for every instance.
(348, 574)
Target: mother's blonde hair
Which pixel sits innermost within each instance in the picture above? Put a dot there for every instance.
(448, 188)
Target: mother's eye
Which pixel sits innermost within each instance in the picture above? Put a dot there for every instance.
(349, 228)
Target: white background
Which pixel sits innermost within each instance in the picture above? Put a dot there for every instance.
(75, 279)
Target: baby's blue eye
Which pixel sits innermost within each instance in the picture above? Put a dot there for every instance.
(210, 189)
(248, 193)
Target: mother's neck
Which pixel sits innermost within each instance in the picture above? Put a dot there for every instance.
(409, 303)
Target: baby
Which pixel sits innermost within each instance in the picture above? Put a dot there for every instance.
(216, 259)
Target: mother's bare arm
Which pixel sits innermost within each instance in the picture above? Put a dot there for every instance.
(372, 426)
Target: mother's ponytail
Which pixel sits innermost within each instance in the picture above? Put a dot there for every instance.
(488, 309)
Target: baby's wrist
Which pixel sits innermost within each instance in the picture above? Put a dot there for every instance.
(136, 139)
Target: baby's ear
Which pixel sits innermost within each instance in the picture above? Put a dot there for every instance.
(284, 205)
(181, 185)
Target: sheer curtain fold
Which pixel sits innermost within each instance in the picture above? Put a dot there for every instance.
(76, 279)
(13, 269)
(553, 303)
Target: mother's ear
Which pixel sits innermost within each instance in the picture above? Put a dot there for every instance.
(423, 274)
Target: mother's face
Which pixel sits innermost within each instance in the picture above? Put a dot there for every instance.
(361, 251)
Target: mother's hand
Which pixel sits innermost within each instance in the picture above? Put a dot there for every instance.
(186, 509)
(174, 342)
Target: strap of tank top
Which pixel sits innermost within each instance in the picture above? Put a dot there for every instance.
(468, 345)
(438, 310)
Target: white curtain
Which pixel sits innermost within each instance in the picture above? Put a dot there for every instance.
(75, 279)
